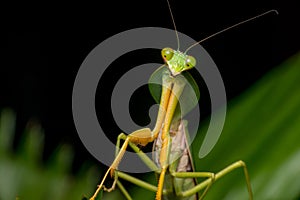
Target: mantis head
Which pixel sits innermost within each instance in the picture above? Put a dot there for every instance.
(177, 61)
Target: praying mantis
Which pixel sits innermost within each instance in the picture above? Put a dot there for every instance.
(172, 161)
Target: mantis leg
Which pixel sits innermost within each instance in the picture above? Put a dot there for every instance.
(177, 88)
(206, 184)
(133, 180)
(141, 137)
(139, 152)
(144, 136)
(209, 175)
(138, 182)
(123, 190)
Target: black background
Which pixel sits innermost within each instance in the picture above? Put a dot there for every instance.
(43, 46)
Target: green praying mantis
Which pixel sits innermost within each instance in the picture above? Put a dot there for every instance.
(172, 161)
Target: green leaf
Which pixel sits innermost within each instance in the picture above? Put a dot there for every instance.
(262, 128)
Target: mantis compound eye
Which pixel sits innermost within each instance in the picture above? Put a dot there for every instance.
(167, 53)
(190, 62)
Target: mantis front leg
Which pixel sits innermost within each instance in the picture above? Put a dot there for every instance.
(137, 150)
(171, 90)
(177, 87)
(140, 137)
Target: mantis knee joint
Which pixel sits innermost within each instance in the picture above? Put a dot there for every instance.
(122, 136)
(212, 177)
(241, 163)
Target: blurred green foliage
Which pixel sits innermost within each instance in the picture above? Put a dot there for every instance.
(24, 176)
(262, 128)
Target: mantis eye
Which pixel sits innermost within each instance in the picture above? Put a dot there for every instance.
(190, 62)
(167, 53)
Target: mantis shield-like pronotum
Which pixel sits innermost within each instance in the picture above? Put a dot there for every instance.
(172, 159)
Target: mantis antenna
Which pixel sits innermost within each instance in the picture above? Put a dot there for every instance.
(230, 27)
(173, 21)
